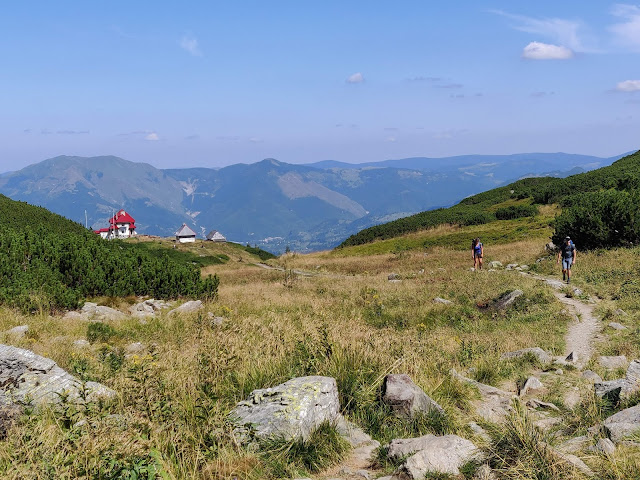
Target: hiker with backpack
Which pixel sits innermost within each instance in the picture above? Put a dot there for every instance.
(568, 255)
(477, 252)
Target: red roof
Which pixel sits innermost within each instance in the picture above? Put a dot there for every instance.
(102, 230)
(122, 217)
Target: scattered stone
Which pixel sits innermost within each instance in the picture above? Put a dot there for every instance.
(511, 266)
(559, 371)
(442, 300)
(524, 267)
(547, 423)
(472, 269)
(613, 362)
(18, 332)
(571, 358)
(604, 446)
(507, 299)
(29, 379)
(289, 410)
(73, 315)
(431, 453)
(591, 376)
(621, 313)
(617, 326)
(100, 313)
(149, 308)
(363, 474)
(352, 433)
(479, 431)
(575, 461)
(215, 321)
(421, 271)
(575, 444)
(536, 403)
(484, 472)
(8, 415)
(495, 264)
(610, 389)
(188, 307)
(133, 348)
(623, 423)
(518, 269)
(542, 356)
(494, 405)
(405, 398)
(577, 292)
(393, 276)
(551, 247)
(80, 344)
(532, 383)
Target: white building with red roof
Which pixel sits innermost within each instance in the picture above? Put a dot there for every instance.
(121, 225)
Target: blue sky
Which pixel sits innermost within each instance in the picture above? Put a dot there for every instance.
(211, 83)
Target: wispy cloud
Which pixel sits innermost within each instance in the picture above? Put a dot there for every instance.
(541, 94)
(545, 51)
(190, 43)
(627, 32)
(628, 86)
(152, 137)
(420, 78)
(568, 33)
(72, 132)
(355, 78)
(450, 85)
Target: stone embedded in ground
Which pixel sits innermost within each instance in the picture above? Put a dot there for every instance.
(524, 267)
(149, 307)
(507, 299)
(494, 404)
(405, 398)
(80, 344)
(572, 397)
(536, 403)
(577, 292)
(215, 321)
(495, 264)
(431, 453)
(442, 300)
(18, 332)
(610, 389)
(353, 434)
(393, 276)
(532, 383)
(100, 313)
(604, 446)
(613, 362)
(135, 347)
(29, 379)
(591, 376)
(622, 424)
(511, 266)
(621, 313)
(540, 354)
(575, 444)
(551, 247)
(290, 410)
(575, 461)
(484, 472)
(479, 431)
(617, 326)
(571, 358)
(188, 307)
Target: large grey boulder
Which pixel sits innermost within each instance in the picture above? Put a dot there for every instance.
(507, 299)
(495, 264)
(540, 354)
(405, 398)
(100, 313)
(27, 378)
(187, 307)
(431, 453)
(289, 410)
(622, 387)
(622, 424)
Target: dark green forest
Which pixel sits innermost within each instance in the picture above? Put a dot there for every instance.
(599, 208)
(49, 263)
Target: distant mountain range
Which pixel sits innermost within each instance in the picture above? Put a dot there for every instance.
(270, 203)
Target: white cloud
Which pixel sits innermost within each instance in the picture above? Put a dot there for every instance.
(355, 78)
(545, 51)
(564, 32)
(390, 139)
(628, 86)
(627, 33)
(152, 137)
(190, 44)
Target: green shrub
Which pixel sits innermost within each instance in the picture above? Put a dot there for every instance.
(516, 211)
(100, 332)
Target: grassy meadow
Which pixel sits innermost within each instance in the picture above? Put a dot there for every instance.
(342, 318)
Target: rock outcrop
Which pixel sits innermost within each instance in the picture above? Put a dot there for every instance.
(494, 404)
(289, 410)
(542, 356)
(188, 307)
(507, 299)
(27, 378)
(405, 398)
(622, 424)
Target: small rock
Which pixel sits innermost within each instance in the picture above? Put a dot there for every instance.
(187, 307)
(572, 397)
(442, 300)
(535, 403)
(524, 267)
(613, 362)
(610, 389)
(393, 276)
(82, 343)
(511, 266)
(604, 446)
(421, 271)
(495, 264)
(621, 313)
(507, 299)
(215, 321)
(532, 383)
(559, 371)
(577, 292)
(405, 398)
(617, 326)
(540, 354)
(18, 332)
(571, 358)
(395, 281)
(484, 472)
(479, 431)
(363, 474)
(591, 376)
(551, 247)
(575, 444)
(576, 462)
(132, 348)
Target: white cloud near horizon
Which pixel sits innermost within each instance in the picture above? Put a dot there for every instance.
(190, 43)
(152, 137)
(626, 33)
(628, 86)
(545, 51)
(355, 78)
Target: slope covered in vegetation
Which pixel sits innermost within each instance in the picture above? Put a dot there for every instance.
(598, 207)
(48, 262)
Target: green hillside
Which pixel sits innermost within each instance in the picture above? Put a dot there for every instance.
(49, 262)
(598, 207)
